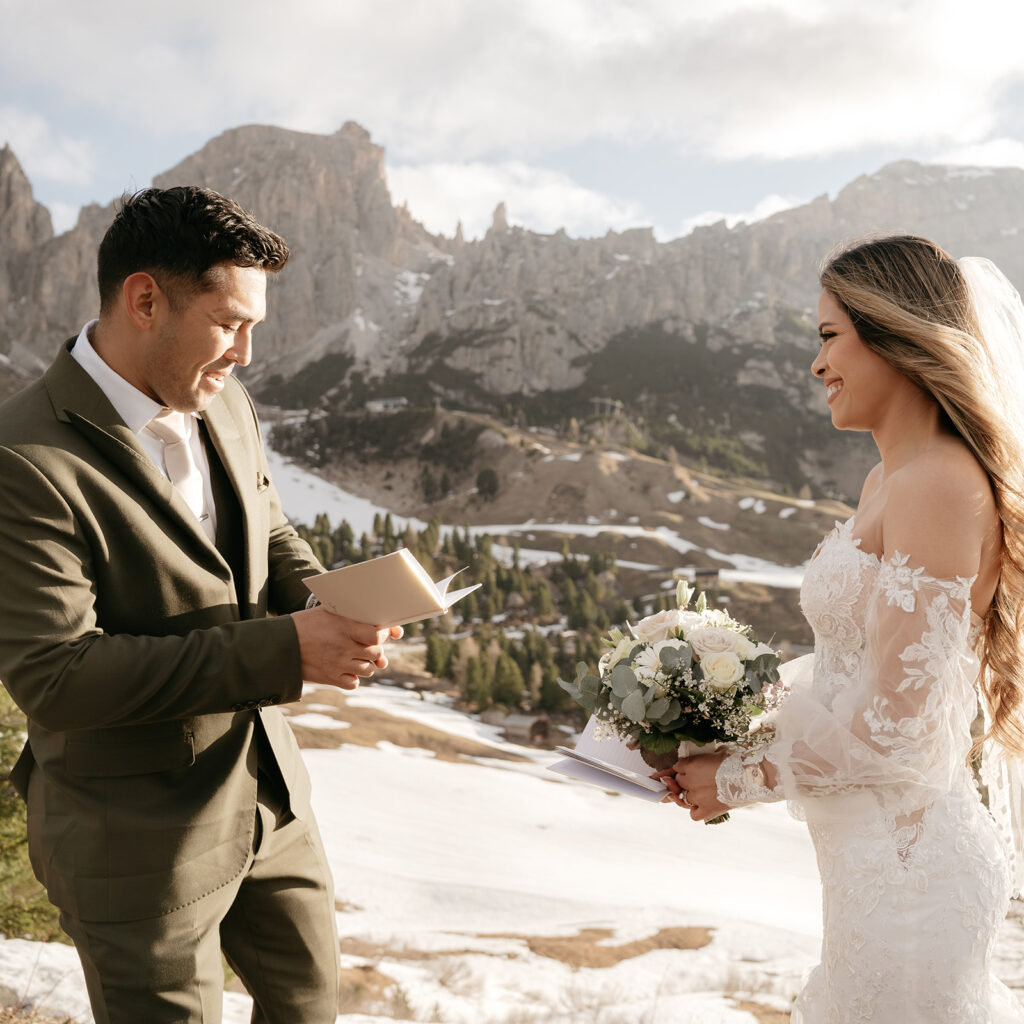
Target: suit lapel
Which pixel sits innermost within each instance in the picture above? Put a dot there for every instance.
(233, 445)
(77, 399)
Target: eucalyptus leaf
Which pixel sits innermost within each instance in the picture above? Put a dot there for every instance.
(669, 657)
(657, 708)
(672, 713)
(570, 688)
(633, 706)
(623, 680)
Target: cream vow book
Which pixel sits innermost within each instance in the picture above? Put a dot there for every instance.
(387, 591)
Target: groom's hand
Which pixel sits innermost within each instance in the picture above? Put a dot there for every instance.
(338, 651)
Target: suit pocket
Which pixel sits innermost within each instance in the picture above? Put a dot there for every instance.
(109, 756)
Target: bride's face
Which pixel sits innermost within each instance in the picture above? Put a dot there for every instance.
(859, 383)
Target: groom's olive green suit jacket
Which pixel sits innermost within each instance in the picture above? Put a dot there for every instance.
(147, 667)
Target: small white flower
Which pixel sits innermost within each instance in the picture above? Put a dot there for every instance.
(649, 660)
(722, 669)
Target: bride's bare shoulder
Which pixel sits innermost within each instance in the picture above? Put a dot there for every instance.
(940, 510)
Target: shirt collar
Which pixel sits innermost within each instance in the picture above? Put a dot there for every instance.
(135, 408)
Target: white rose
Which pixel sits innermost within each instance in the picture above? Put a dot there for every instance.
(715, 640)
(722, 669)
(762, 649)
(689, 621)
(657, 627)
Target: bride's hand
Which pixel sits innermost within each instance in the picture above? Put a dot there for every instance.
(691, 784)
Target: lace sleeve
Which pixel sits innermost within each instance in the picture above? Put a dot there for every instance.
(741, 779)
(898, 729)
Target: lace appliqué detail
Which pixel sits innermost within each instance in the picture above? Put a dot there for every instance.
(740, 780)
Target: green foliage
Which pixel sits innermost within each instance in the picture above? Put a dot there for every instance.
(25, 911)
(487, 483)
(508, 687)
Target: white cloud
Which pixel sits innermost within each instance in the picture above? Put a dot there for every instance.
(457, 80)
(43, 154)
(762, 209)
(441, 194)
(992, 153)
(64, 216)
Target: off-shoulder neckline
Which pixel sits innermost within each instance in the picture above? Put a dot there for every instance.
(897, 559)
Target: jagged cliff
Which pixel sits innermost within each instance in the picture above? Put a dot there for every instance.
(709, 335)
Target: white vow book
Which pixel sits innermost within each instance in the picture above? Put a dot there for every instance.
(387, 591)
(609, 764)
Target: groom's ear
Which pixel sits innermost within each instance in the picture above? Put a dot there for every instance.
(143, 300)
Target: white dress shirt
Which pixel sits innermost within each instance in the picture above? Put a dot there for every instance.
(137, 409)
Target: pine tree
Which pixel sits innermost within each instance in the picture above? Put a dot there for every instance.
(477, 687)
(508, 685)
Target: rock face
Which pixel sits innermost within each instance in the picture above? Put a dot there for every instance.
(371, 303)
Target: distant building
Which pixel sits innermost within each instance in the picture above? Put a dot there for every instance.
(386, 404)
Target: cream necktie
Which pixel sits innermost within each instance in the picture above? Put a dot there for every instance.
(169, 428)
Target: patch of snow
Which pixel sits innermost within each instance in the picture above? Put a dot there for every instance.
(409, 286)
(675, 496)
(755, 504)
(571, 457)
(785, 513)
(711, 524)
(314, 721)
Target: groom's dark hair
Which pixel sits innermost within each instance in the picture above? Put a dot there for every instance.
(177, 235)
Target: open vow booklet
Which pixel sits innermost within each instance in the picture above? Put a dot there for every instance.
(609, 764)
(387, 591)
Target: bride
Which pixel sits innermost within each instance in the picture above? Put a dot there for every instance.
(913, 602)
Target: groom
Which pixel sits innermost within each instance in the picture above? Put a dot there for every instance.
(151, 617)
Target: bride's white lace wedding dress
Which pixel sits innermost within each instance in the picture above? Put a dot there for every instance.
(871, 749)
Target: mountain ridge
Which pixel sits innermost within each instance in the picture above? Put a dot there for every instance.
(518, 322)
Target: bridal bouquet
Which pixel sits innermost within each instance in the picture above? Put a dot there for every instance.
(693, 676)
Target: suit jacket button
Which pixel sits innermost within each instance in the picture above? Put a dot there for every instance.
(252, 705)
(237, 707)
(274, 699)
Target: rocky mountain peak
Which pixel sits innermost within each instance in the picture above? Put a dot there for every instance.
(24, 223)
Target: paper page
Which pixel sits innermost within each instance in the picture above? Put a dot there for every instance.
(388, 591)
(458, 595)
(638, 778)
(384, 591)
(437, 589)
(612, 751)
(595, 777)
(444, 584)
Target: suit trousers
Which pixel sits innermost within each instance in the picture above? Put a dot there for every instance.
(275, 923)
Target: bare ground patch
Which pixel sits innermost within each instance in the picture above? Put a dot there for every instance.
(764, 1014)
(588, 949)
(369, 726)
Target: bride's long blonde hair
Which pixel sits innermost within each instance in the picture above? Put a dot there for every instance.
(910, 304)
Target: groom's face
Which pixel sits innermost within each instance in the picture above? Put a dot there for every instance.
(202, 337)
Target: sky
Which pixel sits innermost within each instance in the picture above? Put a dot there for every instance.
(587, 115)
